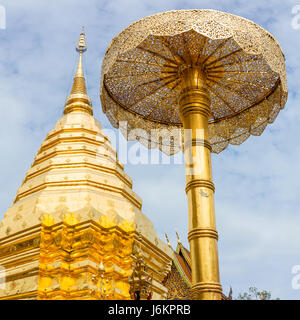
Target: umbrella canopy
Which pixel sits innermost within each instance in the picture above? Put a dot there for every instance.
(243, 65)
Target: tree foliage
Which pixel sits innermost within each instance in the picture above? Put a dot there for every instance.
(255, 294)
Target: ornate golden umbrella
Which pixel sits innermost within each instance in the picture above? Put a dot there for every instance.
(218, 75)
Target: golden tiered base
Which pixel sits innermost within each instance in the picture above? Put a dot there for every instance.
(61, 261)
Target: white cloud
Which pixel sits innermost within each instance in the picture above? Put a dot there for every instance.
(257, 184)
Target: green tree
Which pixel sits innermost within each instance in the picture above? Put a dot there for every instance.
(254, 294)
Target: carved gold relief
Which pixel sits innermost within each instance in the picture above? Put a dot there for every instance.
(76, 252)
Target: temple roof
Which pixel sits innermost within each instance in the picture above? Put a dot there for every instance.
(182, 261)
(179, 280)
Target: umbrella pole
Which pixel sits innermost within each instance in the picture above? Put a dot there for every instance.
(194, 105)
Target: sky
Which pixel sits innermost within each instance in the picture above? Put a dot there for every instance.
(257, 183)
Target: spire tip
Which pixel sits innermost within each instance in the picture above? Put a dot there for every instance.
(78, 99)
(179, 241)
(169, 244)
(81, 45)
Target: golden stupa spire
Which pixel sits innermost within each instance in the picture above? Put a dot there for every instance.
(78, 100)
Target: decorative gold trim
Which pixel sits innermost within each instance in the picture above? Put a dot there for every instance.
(197, 142)
(202, 233)
(199, 183)
(76, 183)
(79, 165)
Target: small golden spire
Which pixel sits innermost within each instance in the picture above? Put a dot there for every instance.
(179, 241)
(101, 267)
(78, 100)
(81, 45)
(169, 244)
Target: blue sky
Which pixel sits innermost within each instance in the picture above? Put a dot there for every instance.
(257, 183)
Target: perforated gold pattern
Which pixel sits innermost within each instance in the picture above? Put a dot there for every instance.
(243, 65)
(177, 288)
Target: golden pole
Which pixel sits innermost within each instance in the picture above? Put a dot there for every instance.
(194, 105)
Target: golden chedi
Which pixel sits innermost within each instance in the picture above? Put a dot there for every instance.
(75, 229)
